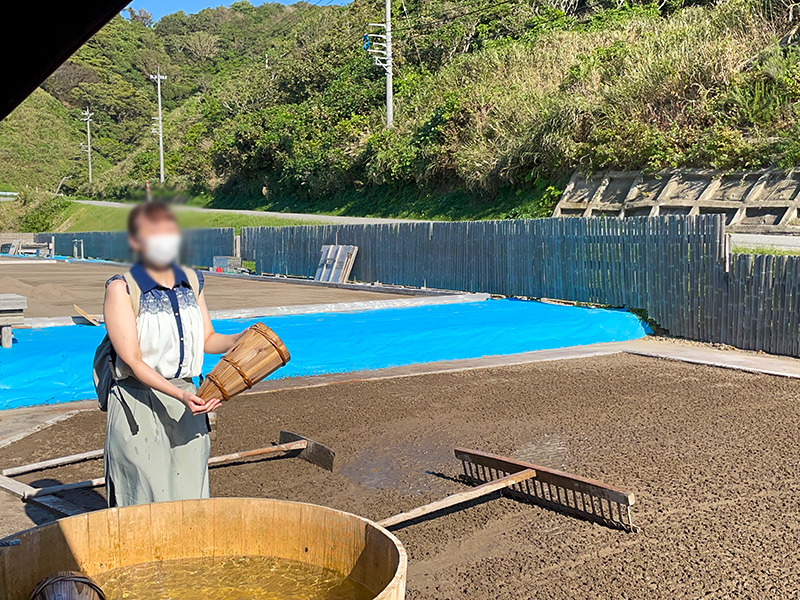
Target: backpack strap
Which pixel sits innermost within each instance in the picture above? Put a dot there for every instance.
(194, 280)
(135, 292)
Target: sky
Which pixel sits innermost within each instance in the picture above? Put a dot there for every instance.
(159, 8)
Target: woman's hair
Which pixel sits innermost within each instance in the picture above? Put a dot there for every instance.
(152, 211)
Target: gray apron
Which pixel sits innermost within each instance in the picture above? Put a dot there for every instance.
(156, 449)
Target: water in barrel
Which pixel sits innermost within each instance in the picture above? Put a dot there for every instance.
(240, 578)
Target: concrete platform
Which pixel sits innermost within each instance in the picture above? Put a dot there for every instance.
(740, 360)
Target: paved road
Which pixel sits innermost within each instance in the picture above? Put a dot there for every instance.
(765, 240)
(261, 213)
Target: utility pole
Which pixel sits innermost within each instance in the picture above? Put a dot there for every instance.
(389, 67)
(158, 78)
(381, 49)
(87, 116)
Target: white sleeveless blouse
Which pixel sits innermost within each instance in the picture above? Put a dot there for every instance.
(169, 326)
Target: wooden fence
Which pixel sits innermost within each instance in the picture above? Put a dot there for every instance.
(200, 245)
(678, 269)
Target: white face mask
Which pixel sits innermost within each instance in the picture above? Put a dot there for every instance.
(162, 250)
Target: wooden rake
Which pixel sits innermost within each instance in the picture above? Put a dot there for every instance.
(564, 492)
(290, 445)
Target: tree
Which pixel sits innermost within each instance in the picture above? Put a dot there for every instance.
(202, 44)
(69, 76)
(140, 16)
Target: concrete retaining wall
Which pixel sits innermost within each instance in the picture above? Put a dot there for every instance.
(756, 202)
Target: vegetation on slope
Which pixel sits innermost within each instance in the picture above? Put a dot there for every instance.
(496, 103)
(39, 144)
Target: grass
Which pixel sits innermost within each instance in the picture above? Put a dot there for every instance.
(535, 199)
(39, 144)
(765, 250)
(9, 219)
(86, 217)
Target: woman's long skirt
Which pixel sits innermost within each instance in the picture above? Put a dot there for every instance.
(156, 450)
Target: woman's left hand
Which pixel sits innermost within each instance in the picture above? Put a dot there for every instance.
(197, 405)
(240, 335)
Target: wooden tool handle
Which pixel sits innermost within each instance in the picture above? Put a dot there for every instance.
(30, 493)
(298, 445)
(460, 498)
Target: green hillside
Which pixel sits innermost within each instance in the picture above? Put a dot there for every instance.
(39, 144)
(496, 103)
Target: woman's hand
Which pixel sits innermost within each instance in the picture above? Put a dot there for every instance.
(240, 335)
(197, 405)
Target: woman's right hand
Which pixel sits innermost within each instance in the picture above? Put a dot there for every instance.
(197, 405)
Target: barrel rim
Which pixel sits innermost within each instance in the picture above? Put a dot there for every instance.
(389, 591)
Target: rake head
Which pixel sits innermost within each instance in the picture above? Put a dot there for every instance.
(314, 452)
(584, 498)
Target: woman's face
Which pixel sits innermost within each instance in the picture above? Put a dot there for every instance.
(157, 241)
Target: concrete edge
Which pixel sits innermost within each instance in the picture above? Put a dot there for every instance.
(301, 309)
(339, 307)
(711, 363)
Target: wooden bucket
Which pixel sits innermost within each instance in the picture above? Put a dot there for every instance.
(67, 585)
(259, 353)
(104, 540)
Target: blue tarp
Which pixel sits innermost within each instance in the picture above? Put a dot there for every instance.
(51, 365)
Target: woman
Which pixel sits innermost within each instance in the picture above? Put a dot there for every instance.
(157, 443)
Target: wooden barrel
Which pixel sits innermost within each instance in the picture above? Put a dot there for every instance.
(104, 540)
(67, 585)
(257, 354)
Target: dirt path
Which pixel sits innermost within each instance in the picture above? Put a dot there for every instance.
(712, 455)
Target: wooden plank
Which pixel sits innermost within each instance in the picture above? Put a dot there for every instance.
(547, 475)
(58, 505)
(85, 315)
(167, 532)
(55, 462)
(63, 487)
(459, 498)
(135, 533)
(13, 302)
(14, 487)
(12, 317)
(6, 336)
(314, 452)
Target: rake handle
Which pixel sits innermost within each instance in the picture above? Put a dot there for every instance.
(100, 481)
(298, 445)
(459, 498)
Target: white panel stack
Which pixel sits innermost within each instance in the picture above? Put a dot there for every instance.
(336, 263)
